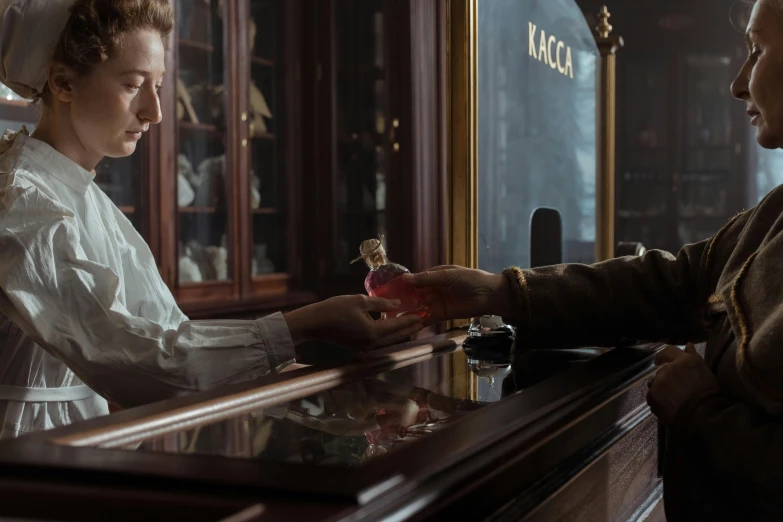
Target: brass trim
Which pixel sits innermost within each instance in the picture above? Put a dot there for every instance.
(606, 120)
(462, 121)
(462, 158)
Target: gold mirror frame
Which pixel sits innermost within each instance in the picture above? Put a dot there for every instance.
(462, 150)
(462, 133)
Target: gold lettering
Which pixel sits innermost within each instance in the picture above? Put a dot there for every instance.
(560, 67)
(531, 35)
(542, 48)
(544, 52)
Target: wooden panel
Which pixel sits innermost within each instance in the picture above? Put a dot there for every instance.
(536, 450)
(511, 478)
(120, 502)
(66, 502)
(613, 486)
(250, 308)
(271, 284)
(209, 290)
(427, 175)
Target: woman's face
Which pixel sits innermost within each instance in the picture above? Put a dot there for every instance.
(760, 81)
(113, 105)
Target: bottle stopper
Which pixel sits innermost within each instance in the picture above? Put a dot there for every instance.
(372, 252)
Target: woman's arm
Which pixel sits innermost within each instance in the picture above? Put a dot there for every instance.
(72, 306)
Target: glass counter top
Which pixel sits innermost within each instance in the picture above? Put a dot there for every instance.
(353, 422)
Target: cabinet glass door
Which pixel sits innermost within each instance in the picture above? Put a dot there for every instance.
(266, 145)
(362, 122)
(204, 162)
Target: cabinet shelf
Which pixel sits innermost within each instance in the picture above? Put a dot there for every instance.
(266, 211)
(641, 216)
(268, 278)
(127, 209)
(375, 73)
(199, 127)
(367, 212)
(15, 103)
(19, 111)
(707, 146)
(705, 217)
(198, 46)
(206, 284)
(265, 136)
(263, 61)
(197, 210)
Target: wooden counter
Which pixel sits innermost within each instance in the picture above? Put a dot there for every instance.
(576, 444)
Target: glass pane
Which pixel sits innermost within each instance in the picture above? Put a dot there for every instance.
(120, 178)
(16, 112)
(350, 424)
(767, 169)
(706, 195)
(202, 162)
(643, 173)
(266, 116)
(362, 127)
(537, 127)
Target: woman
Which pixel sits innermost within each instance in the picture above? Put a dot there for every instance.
(83, 308)
(724, 413)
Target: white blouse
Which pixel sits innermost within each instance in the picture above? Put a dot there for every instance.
(83, 308)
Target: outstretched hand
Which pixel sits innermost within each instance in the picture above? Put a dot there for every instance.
(346, 320)
(454, 292)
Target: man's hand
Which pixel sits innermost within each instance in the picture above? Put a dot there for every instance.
(682, 376)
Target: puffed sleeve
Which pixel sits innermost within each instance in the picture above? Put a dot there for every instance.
(71, 306)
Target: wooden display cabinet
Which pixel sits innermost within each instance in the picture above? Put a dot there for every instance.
(280, 117)
(373, 139)
(683, 142)
(229, 247)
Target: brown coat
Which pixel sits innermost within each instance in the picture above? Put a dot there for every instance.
(725, 453)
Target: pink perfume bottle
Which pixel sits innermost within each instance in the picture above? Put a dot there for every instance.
(384, 279)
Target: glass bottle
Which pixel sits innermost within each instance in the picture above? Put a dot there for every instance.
(384, 280)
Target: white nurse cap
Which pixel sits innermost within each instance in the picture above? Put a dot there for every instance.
(29, 33)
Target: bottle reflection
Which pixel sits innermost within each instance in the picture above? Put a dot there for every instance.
(488, 349)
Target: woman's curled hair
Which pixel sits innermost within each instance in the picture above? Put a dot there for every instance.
(95, 29)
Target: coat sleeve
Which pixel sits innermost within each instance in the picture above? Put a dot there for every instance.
(657, 297)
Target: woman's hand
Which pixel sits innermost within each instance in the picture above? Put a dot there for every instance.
(346, 320)
(682, 376)
(453, 292)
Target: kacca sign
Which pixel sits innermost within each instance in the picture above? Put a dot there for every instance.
(550, 50)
